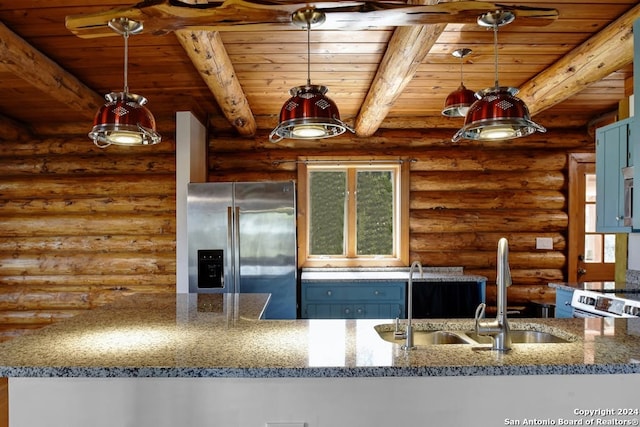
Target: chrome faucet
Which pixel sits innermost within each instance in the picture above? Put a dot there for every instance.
(498, 329)
(408, 345)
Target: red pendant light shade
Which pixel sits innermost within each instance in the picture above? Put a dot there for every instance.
(498, 114)
(458, 102)
(123, 119)
(309, 113)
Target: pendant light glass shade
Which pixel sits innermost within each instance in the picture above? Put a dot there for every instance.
(309, 113)
(498, 114)
(123, 119)
(458, 102)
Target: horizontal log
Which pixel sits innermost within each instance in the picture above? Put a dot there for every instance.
(403, 140)
(80, 282)
(121, 204)
(522, 276)
(76, 143)
(498, 220)
(523, 294)
(123, 263)
(480, 160)
(92, 186)
(480, 259)
(87, 244)
(481, 241)
(251, 175)
(90, 224)
(88, 164)
(492, 199)
(489, 181)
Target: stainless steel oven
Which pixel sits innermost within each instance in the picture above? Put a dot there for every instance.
(627, 174)
(609, 303)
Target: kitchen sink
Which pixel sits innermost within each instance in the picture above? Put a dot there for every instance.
(521, 337)
(469, 337)
(426, 337)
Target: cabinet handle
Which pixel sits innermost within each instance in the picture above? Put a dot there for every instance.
(347, 311)
(376, 292)
(329, 293)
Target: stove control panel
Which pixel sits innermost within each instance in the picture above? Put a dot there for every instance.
(604, 305)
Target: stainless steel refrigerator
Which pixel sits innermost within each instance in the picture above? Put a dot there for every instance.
(242, 239)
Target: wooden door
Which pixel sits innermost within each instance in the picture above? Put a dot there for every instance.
(592, 255)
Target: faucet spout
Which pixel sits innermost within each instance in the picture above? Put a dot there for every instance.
(408, 345)
(498, 329)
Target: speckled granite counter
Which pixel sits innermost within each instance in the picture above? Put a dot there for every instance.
(430, 274)
(208, 336)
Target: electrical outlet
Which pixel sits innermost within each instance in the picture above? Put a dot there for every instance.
(286, 425)
(544, 243)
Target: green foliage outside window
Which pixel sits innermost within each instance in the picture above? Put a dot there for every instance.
(375, 213)
(327, 212)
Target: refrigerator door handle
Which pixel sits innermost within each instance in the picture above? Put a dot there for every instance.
(236, 250)
(230, 245)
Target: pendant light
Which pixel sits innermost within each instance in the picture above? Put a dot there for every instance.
(458, 102)
(498, 114)
(123, 119)
(308, 114)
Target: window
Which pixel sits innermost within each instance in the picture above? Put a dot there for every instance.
(353, 213)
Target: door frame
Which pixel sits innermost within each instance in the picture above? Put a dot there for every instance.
(574, 246)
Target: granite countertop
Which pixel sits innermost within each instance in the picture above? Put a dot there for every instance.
(188, 335)
(602, 286)
(429, 274)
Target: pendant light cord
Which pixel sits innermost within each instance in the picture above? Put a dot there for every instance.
(495, 52)
(125, 34)
(308, 52)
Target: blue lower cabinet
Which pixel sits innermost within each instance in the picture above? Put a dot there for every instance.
(352, 300)
(563, 303)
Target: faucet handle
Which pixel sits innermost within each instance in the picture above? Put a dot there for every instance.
(479, 314)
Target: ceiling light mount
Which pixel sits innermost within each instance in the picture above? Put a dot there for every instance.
(498, 114)
(458, 102)
(123, 119)
(308, 114)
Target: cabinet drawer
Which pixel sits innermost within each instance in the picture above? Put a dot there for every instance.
(383, 291)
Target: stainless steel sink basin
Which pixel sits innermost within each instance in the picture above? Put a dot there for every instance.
(469, 337)
(426, 338)
(522, 337)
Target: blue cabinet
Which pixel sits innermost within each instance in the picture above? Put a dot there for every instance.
(352, 300)
(563, 303)
(613, 152)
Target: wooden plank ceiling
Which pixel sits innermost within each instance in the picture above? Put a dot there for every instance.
(570, 72)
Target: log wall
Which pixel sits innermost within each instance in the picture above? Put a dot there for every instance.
(80, 226)
(463, 198)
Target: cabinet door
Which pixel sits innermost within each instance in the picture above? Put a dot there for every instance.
(563, 303)
(611, 157)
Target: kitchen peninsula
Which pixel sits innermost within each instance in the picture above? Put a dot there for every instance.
(226, 364)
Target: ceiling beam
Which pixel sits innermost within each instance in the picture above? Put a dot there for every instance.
(25, 61)
(405, 52)
(604, 53)
(209, 56)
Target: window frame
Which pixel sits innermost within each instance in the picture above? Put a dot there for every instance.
(401, 211)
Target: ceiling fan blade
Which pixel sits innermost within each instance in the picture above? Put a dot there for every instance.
(163, 16)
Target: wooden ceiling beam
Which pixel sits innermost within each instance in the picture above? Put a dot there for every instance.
(406, 50)
(604, 53)
(25, 61)
(209, 56)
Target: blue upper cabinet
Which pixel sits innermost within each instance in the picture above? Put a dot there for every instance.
(612, 154)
